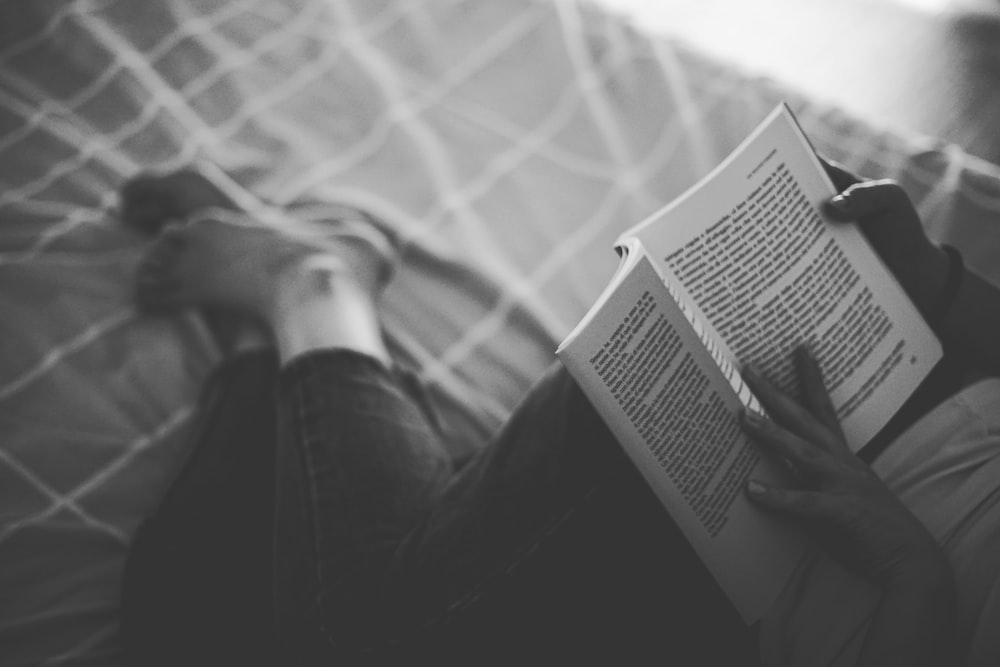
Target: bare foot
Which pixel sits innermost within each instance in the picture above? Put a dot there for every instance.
(150, 202)
(219, 258)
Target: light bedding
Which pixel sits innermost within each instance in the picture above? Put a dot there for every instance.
(508, 142)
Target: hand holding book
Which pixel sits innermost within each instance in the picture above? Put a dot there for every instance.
(962, 306)
(852, 513)
(891, 224)
(740, 270)
(857, 519)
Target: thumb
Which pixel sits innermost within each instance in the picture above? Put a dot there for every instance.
(794, 501)
(842, 179)
(869, 202)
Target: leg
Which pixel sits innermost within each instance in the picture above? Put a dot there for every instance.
(548, 546)
(307, 300)
(197, 578)
(358, 468)
(552, 536)
(377, 548)
(549, 531)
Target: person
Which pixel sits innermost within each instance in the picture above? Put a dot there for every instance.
(320, 520)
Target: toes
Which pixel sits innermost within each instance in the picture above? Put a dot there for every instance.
(193, 191)
(160, 299)
(156, 289)
(173, 237)
(145, 206)
(167, 246)
(154, 271)
(149, 201)
(157, 284)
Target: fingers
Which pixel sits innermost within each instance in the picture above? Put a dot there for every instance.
(813, 393)
(812, 504)
(842, 179)
(869, 201)
(806, 458)
(786, 411)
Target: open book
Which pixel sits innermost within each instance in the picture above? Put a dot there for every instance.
(741, 269)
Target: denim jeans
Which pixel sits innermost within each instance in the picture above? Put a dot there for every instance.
(320, 521)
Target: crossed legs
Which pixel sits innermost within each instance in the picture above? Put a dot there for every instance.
(547, 541)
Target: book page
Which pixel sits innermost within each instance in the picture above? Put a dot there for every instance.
(751, 252)
(646, 371)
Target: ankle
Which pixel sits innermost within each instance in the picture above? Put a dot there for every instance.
(321, 305)
(309, 281)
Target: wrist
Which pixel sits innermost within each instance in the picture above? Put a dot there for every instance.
(949, 293)
(929, 279)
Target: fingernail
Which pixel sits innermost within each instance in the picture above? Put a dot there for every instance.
(756, 488)
(753, 418)
(840, 201)
(838, 208)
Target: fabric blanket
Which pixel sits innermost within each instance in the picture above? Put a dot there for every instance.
(508, 142)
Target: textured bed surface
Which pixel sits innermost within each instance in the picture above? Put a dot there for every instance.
(508, 142)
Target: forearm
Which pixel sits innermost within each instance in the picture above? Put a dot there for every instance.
(914, 622)
(971, 322)
(971, 327)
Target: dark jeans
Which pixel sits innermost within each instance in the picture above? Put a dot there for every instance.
(320, 521)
